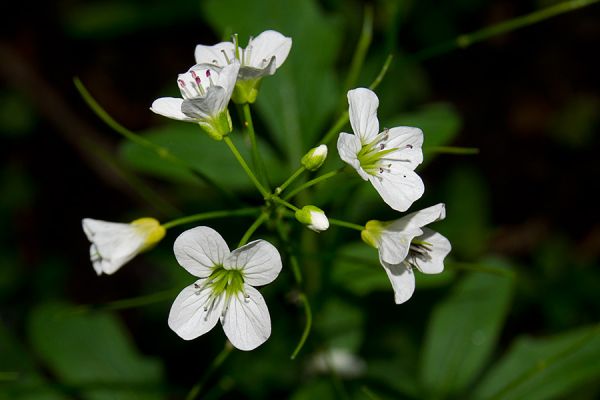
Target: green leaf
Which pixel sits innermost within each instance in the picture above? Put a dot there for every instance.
(341, 325)
(316, 389)
(546, 368)
(297, 100)
(462, 333)
(93, 353)
(189, 143)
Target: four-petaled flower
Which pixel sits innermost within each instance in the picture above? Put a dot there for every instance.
(206, 90)
(387, 159)
(263, 56)
(405, 243)
(114, 244)
(225, 289)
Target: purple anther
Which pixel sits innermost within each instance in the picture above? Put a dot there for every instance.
(193, 74)
(181, 83)
(197, 80)
(409, 146)
(208, 73)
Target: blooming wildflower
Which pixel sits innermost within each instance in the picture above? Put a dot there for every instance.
(387, 159)
(314, 158)
(405, 243)
(225, 289)
(313, 217)
(114, 244)
(206, 90)
(263, 56)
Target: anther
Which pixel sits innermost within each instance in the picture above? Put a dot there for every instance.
(409, 146)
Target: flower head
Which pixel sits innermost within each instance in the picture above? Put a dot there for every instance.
(114, 244)
(263, 56)
(313, 217)
(405, 243)
(205, 90)
(225, 289)
(387, 159)
(314, 158)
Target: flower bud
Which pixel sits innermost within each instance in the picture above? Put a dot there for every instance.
(313, 217)
(371, 235)
(315, 157)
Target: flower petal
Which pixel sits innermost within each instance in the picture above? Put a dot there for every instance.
(113, 244)
(214, 54)
(208, 106)
(432, 262)
(394, 245)
(247, 323)
(348, 147)
(399, 187)
(421, 218)
(227, 78)
(169, 107)
(259, 260)
(199, 249)
(402, 279)
(193, 313)
(408, 141)
(265, 46)
(363, 113)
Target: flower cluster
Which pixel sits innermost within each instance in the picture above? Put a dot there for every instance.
(225, 286)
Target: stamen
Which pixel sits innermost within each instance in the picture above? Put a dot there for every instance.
(209, 77)
(409, 146)
(184, 90)
(226, 58)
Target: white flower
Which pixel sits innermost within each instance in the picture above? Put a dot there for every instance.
(206, 90)
(314, 158)
(114, 244)
(225, 289)
(263, 56)
(313, 217)
(341, 361)
(405, 243)
(387, 159)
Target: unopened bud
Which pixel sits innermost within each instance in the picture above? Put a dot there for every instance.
(313, 217)
(315, 157)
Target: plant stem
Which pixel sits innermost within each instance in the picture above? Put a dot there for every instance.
(129, 303)
(312, 182)
(255, 225)
(451, 150)
(284, 203)
(217, 362)
(366, 35)
(256, 158)
(382, 72)
(289, 180)
(466, 40)
(307, 326)
(244, 165)
(346, 224)
(211, 215)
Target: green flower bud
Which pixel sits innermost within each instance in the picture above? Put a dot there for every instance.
(313, 217)
(315, 157)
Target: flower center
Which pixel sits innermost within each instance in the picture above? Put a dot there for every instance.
(192, 85)
(419, 251)
(372, 155)
(229, 282)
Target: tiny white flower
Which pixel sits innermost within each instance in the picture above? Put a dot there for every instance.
(205, 91)
(313, 217)
(314, 158)
(114, 244)
(406, 243)
(387, 159)
(225, 290)
(263, 56)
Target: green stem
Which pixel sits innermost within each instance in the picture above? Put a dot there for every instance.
(451, 150)
(307, 326)
(366, 35)
(289, 180)
(256, 159)
(284, 203)
(346, 224)
(312, 182)
(210, 215)
(382, 72)
(255, 225)
(217, 362)
(466, 40)
(133, 302)
(244, 165)
(160, 151)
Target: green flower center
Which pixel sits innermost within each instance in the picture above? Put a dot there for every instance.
(228, 281)
(372, 155)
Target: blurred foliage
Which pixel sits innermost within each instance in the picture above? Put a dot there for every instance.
(515, 314)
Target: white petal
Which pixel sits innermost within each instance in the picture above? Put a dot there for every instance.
(394, 245)
(402, 279)
(433, 261)
(214, 54)
(247, 323)
(348, 147)
(113, 244)
(422, 217)
(399, 187)
(408, 141)
(265, 46)
(319, 221)
(259, 260)
(193, 313)
(199, 249)
(208, 106)
(227, 78)
(363, 113)
(169, 107)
